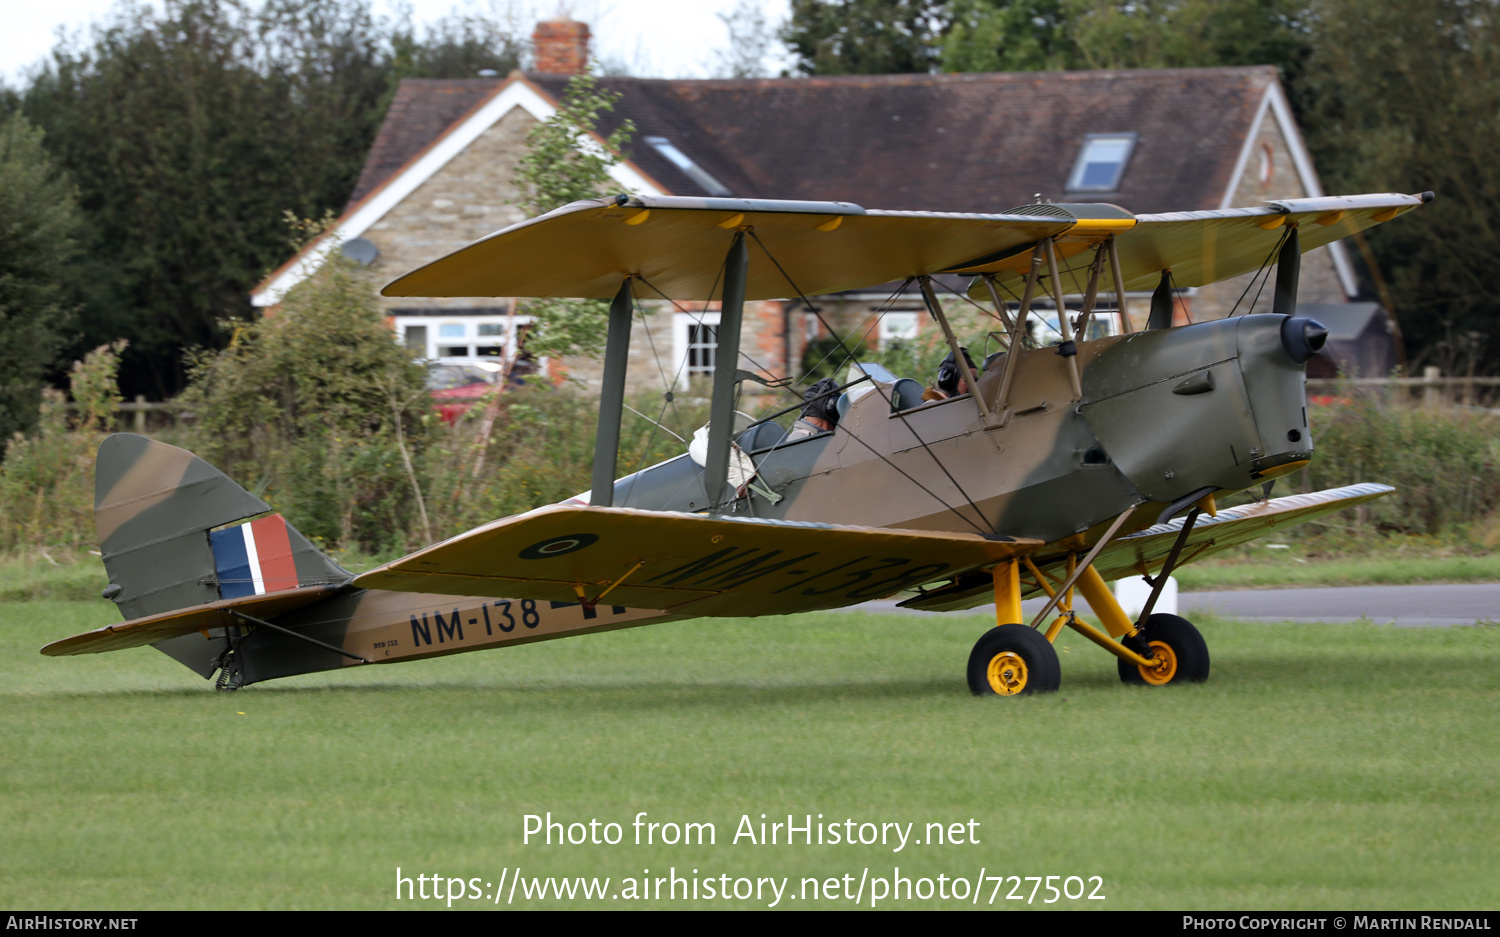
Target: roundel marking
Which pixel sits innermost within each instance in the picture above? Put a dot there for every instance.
(558, 546)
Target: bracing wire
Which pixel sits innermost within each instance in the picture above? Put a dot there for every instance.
(1262, 274)
(981, 527)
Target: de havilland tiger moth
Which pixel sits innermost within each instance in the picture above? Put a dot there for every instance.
(1057, 468)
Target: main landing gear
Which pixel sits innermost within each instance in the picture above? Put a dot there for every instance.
(1176, 647)
(1015, 659)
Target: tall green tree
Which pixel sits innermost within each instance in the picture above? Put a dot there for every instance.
(311, 406)
(190, 131)
(866, 37)
(1188, 33)
(1010, 36)
(38, 224)
(1405, 99)
(1028, 35)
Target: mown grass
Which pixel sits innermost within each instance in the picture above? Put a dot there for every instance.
(1294, 572)
(1321, 767)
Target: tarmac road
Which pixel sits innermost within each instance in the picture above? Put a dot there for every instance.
(1411, 606)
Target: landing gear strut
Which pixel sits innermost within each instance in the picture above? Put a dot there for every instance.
(1013, 659)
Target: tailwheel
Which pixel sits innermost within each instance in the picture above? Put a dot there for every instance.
(1013, 660)
(1178, 648)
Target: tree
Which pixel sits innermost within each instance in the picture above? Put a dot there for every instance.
(1405, 96)
(311, 406)
(1025, 35)
(749, 40)
(189, 134)
(563, 164)
(865, 37)
(1010, 36)
(1188, 33)
(190, 131)
(38, 224)
(460, 45)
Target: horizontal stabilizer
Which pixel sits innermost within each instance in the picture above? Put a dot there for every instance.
(703, 565)
(154, 628)
(1146, 551)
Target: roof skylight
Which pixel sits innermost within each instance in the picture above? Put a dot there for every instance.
(1101, 162)
(693, 171)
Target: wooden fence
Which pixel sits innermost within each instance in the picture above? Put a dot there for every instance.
(143, 416)
(1432, 389)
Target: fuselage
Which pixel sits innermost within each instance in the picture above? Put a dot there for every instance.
(1218, 405)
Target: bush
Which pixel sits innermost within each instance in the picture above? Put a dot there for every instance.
(1444, 464)
(541, 452)
(308, 408)
(47, 479)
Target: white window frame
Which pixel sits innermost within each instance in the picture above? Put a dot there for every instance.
(898, 325)
(471, 339)
(1081, 164)
(680, 330)
(689, 168)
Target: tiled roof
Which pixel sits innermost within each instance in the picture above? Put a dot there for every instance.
(972, 142)
(420, 111)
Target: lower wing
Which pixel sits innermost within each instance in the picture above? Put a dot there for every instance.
(1144, 552)
(691, 564)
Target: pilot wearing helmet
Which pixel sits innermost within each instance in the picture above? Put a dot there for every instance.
(820, 413)
(951, 380)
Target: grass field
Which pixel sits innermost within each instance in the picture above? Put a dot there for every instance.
(1321, 767)
(1394, 568)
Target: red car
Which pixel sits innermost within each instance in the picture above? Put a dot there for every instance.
(455, 387)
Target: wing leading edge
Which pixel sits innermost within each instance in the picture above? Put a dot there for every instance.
(693, 564)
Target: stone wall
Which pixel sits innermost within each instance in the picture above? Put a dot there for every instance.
(1270, 173)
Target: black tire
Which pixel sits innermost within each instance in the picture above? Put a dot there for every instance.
(1184, 646)
(1013, 660)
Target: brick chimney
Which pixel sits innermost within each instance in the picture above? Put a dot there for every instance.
(562, 46)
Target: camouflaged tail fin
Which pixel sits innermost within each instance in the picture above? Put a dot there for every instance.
(156, 508)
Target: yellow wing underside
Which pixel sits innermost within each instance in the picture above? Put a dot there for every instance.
(677, 246)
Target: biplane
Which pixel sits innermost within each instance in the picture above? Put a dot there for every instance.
(1061, 465)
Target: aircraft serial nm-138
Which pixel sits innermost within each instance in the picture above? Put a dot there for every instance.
(1056, 468)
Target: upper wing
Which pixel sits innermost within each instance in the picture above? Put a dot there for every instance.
(694, 564)
(1202, 247)
(678, 245)
(1145, 551)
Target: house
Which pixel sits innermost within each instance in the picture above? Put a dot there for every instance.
(440, 175)
(1361, 342)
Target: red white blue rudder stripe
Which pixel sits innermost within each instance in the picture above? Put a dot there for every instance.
(254, 558)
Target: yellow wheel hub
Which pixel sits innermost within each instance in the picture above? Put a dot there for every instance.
(1007, 673)
(1166, 665)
